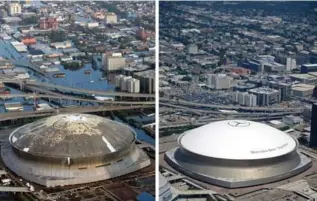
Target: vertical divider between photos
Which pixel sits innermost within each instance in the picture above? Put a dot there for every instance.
(156, 99)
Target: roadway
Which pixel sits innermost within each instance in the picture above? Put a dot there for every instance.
(77, 90)
(14, 189)
(228, 107)
(31, 114)
(307, 152)
(62, 97)
(206, 121)
(151, 125)
(41, 90)
(27, 64)
(199, 111)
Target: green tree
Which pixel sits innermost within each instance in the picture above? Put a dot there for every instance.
(30, 20)
(187, 78)
(57, 36)
(73, 66)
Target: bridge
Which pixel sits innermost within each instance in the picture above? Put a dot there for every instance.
(14, 189)
(62, 97)
(27, 64)
(77, 90)
(206, 111)
(31, 114)
(151, 125)
(227, 107)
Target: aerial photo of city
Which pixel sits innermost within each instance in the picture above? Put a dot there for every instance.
(237, 101)
(77, 100)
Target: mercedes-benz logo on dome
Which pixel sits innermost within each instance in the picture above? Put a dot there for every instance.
(239, 123)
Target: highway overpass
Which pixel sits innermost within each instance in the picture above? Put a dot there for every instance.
(228, 107)
(32, 114)
(77, 90)
(62, 97)
(206, 121)
(14, 189)
(209, 111)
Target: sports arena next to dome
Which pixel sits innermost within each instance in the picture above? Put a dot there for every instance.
(237, 153)
(73, 149)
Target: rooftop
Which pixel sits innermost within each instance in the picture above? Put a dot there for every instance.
(310, 65)
(303, 87)
(303, 76)
(220, 140)
(263, 90)
(72, 135)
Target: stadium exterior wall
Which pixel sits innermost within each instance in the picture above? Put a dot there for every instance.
(217, 172)
(52, 175)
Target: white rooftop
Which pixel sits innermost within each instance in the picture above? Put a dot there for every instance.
(237, 140)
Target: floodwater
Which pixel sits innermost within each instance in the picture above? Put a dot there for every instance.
(74, 78)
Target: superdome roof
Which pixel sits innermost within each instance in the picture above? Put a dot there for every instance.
(72, 135)
(237, 140)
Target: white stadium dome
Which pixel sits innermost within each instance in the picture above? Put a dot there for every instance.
(238, 140)
(237, 153)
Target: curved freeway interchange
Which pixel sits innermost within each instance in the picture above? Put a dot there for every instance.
(107, 105)
(249, 113)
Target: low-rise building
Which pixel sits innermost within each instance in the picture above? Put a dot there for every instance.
(5, 64)
(192, 49)
(92, 24)
(113, 62)
(22, 75)
(62, 45)
(266, 96)
(303, 90)
(29, 40)
(220, 81)
(292, 120)
(19, 47)
(66, 58)
(48, 23)
(304, 78)
(111, 18)
(99, 15)
(14, 9)
(141, 34)
(305, 68)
